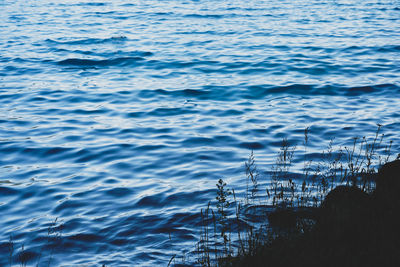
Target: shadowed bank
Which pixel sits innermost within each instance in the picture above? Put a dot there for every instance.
(345, 213)
(353, 228)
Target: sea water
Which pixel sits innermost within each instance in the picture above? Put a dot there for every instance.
(117, 118)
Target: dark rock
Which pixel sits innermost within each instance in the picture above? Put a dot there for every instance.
(387, 204)
(387, 192)
(343, 207)
(282, 218)
(289, 218)
(353, 228)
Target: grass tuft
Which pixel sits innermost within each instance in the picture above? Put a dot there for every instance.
(287, 209)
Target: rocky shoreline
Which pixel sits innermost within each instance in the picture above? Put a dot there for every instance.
(350, 228)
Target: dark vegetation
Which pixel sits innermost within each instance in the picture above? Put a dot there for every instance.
(343, 211)
(21, 256)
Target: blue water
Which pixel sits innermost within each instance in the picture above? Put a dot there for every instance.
(118, 117)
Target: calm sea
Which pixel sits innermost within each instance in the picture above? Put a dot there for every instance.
(118, 117)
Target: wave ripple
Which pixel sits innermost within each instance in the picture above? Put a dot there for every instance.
(118, 117)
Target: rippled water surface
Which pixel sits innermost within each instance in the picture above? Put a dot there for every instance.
(117, 117)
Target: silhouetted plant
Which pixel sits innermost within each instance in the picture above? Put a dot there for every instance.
(280, 180)
(222, 205)
(252, 176)
(203, 245)
(10, 249)
(53, 238)
(355, 165)
(22, 257)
